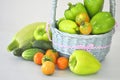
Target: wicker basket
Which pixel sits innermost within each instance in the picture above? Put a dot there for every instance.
(65, 43)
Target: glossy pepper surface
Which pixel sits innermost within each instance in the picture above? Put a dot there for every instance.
(93, 6)
(102, 22)
(41, 34)
(73, 10)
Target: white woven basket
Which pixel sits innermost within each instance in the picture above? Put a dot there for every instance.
(65, 44)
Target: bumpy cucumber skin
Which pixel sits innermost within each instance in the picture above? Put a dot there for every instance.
(42, 44)
(18, 52)
(29, 53)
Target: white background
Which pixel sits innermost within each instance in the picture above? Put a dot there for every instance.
(15, 14)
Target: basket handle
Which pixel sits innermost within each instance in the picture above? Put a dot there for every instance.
(54, 6)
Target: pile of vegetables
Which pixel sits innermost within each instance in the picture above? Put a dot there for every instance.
(87, 18)
(32, 44)
(40, 51)
(32, 41)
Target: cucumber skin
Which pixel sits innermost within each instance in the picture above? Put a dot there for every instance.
(29, 53)
(18, 52)
(41, 44)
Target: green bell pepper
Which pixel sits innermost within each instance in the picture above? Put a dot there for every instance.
(73, 10)
(41, 34)
(93, 6)
(102, 22)
(68, 26)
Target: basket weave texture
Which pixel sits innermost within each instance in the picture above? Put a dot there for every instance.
(65, 43)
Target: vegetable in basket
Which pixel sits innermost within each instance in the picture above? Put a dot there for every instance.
(93, 6)
(82, 17)
(102, 22)
(68, 26)
(85, 28)
(73, 10)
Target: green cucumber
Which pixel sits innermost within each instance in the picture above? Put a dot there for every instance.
(42, 44)
(18, 52)
(29, 53)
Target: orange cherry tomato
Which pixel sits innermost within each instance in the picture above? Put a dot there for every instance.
(82, 17)
(51, 51)
(47, 58)
(48, 68)
(85, 28)
(38, 58)
(53, 54)
(62, 63)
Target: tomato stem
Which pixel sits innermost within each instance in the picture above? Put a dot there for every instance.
(82, 23)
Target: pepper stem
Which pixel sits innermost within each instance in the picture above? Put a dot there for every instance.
(70, 5)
